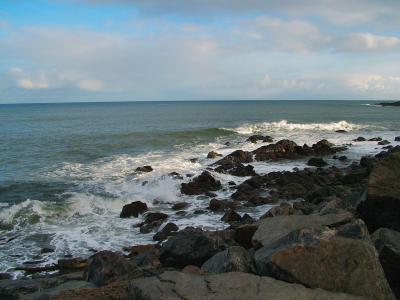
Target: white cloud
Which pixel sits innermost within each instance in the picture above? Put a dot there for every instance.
(367, 42)
(374, 83)
(28, 81)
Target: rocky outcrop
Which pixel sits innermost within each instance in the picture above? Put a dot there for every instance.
(255, 138)
(226, 286)
(213, 154)
(284, 209)
(230, 260)
(201, 184)
(235, 169)
(382, 206)
(106, 266)
(231, 216)
(133, 209)
(192, 247)
(144, 169)
(396, 103)
(165, 232)
(238, 156)
(387, 243)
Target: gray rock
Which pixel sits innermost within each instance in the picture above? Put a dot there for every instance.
(230, 260)
(226, 286)
(387, 243)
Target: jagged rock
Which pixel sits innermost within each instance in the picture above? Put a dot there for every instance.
(106, 266)
(133, 209)
(201, 184)
(230, 260)
(213, 154)
(397, 138)
(165, 232)
(231, 216)
(191, 247)
(238, 156)
(225, 286)
(284, 209)
(144, 169)
(243, 235)
(316, 162)
(175, 175)
(382, 206)
(255, 138)
(360, 139)
(153, 217)
(235, 169)
(387, 243)
(180, 205)
(384, 142)
(221, 205)
(318, 259)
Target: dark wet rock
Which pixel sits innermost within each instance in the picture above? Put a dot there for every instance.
(341, 131)
(356, 175)
(191, 246)
(387, 243)
(342, 158)
(247, 219)
(144, 169)
(305, 207)
(51, 293)
(199, 212)
(318, 259)
(316, 162)
(255, 138)
(231, 216)
(238, 156)
(375, 139)
(201, 184)
(76, 263)
(235, 169)
(213, 154)
(368, 162)
(165, 232)
(4, 276)
(138, 249)
(397, 138)
(360, 139)
(231, 183)
(243, 235)
(106, 266)
(153, 226)
(180, 205)
(210, 194)
(181, 213)
(382, 206)
(284, 209)
(355, 229)
(155, 216)
(233, 259)
(175, 175)
(194, 160)
(225, 286)
(133, 209)
(384, 142)
(48, 249)
(221, 205)
(396, 103)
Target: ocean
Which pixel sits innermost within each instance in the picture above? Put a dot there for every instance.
(66, 170)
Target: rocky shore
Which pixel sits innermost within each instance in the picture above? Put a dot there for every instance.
(333, 233)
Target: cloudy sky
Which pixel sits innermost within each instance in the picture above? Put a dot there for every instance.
(127, 50)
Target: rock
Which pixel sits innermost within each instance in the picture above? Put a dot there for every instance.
(153, 217)
(133, 209)
(243, 235)
(180, 205)
(397, 103)
(232, 183)
(48, 249)
(271, 230)
(50, 293)
(221, 205)
(226, 286)
(382, 206)
(106, 266)
(164, 233)
(4, 276)
(397, 139)
(341, 131)
(201, 184)
(138, 249)
(387, 243)
(375, 139)
(175, 175)
(147, 228)
(284, 209)
(190, 247)
(233, 259)
(213, 154)
(76, 263)
(342, 158)
(238, 156)
(144, 169)
(193, 270)
(235, 169)
(334, 264)
(316, 162)
(305, 207)
(360, 139)
(194, 160)
(231, 216)
(255, 138)
(384, 142)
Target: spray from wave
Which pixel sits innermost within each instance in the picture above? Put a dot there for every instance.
(284, 125)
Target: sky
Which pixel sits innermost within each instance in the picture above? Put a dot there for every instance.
(143, 50)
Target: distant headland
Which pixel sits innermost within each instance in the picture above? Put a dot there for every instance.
(397, 103)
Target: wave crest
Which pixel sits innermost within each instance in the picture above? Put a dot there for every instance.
(284, 125)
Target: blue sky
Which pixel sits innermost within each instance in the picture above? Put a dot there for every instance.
(128, 50)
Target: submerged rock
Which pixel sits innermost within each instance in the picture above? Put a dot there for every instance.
(360, 139)
(144, 169)
(316, 162)
(133, 209)
(213, 154)
(384, 142)
(255, 138)
(201, 184)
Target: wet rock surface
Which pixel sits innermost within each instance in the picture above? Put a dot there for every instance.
(133, 209)
(201, 184)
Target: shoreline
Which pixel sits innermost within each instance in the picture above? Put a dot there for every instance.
(246, 245)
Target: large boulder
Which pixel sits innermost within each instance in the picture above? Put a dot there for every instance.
(235, 169)
(319, 259)
(238, 156)
(201, 184)
(387, 243)
(192, 246)
(107, 266)
(382, 206)
(133, 209)
(230, 260)
(226, 286)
